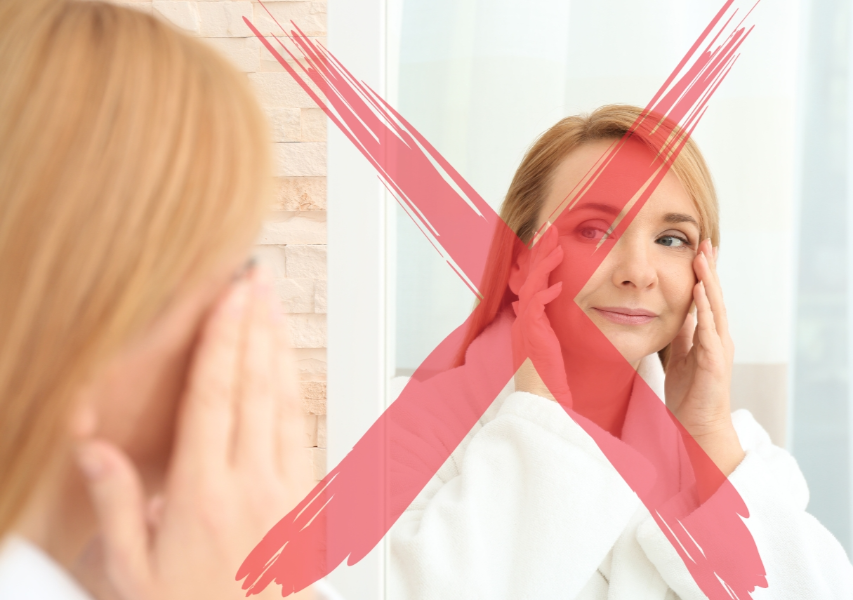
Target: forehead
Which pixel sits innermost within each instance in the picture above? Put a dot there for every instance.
(668, 197)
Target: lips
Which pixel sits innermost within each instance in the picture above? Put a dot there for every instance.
(625, 316)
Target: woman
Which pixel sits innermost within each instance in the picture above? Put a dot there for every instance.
(529, 506)
(149, 435)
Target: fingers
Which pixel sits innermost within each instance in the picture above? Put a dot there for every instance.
(116, 492)
(205, 430)
(550, 262)
(257, 397)
(533, 338)
(705, 268)
(706, 333)
(538, 338)
(270, 422)
(544, 244)
(683, 341)
(534, 308)
(547, 295)
(540, 274)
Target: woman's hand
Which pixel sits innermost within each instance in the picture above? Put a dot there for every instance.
(699, 371)
(237, 465)
(532, 335)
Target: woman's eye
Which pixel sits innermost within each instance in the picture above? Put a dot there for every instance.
(672, 241)
(592, 231)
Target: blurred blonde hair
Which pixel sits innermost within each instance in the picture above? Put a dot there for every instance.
(134, 159)
(532, 181)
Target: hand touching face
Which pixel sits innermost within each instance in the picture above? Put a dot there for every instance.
(237, 464)
(641, 293)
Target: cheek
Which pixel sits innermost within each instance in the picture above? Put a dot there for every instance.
(564, 312)
(145, 397)
(155, 428)
(677, 283)
(579, 270)
(140, 407)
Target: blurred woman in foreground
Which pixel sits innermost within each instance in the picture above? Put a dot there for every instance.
(148, 430)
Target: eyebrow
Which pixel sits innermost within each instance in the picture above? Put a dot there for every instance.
(607, 208)
(612, 210)
(680, 218)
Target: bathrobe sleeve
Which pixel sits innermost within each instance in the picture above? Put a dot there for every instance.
(801, 558)
(526, 507)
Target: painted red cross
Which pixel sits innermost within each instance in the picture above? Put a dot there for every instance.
(355, 505)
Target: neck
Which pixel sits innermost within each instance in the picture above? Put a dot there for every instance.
(59, 518)
(61, 521)
(601, 388)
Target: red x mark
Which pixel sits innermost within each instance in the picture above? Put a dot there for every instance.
(354, 506)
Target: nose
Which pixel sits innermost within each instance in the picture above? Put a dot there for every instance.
(631, 265)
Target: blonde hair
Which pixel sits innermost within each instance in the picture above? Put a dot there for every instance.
(134, 160)
(532, 180)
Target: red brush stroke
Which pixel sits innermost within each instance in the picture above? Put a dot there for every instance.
(354, 506)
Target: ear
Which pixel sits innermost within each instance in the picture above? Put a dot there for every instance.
(518, 272)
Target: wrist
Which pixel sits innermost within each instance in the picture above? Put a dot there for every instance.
(721, 444)
(707, 426)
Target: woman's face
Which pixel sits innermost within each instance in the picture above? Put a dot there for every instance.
(134, 399)
(640, 295)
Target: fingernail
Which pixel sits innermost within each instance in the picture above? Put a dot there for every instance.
(91, 462)
(245, 269)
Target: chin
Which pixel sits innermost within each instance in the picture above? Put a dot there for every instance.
(633, 346)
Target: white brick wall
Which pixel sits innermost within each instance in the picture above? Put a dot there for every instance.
(183, 14)
(292, 242)
(224, 19)
(277, 89)
(306, 159)
(295, 227)
(309, 17)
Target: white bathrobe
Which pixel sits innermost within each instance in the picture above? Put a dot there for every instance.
(28, 573)
(529, 507)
